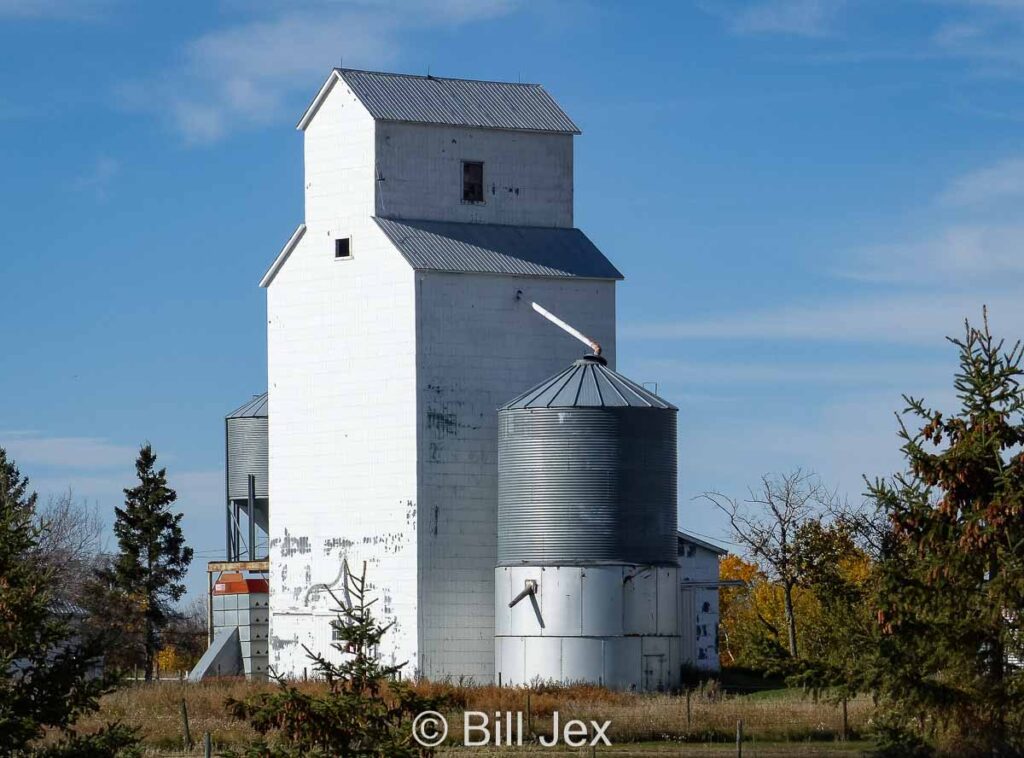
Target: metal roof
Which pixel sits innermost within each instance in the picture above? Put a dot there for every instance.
(457, 102)
(254, 408)
(498, 249)
(693, 540)
(64, 607)
(588, 383)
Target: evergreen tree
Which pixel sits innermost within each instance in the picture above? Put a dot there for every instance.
(153, 557)
(951, 574)
(47, 673)
(366, 711)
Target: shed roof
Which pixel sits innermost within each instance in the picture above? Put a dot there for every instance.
(63, 607)
(450, 102)
(687, 537)
(588, 383)
(497, 249)
(256, 407)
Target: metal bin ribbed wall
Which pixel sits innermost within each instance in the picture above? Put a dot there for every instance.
(247, 449)
(580, 485)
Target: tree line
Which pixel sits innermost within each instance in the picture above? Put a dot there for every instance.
(914, 596)
(73, 618)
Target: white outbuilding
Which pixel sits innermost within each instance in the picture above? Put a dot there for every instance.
(698, 601)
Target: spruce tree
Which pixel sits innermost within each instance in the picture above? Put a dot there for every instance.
(366, 710)
(48, 671)
(153, 557)
(951, 574)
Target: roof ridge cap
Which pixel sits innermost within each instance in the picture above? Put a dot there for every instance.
(471, 223)
(431, 77)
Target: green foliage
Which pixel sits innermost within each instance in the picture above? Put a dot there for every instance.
(366, 711)
(896, 737)
(48, 674)
(831, 596)
(838, 574)
(112, 740)
(146, 576)
(951, 574)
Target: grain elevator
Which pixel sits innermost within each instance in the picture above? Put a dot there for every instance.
(538, 540)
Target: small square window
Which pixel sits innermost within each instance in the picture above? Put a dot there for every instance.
(343, 248)
(472, 182)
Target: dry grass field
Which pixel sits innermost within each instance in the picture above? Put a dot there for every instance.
(775, 724)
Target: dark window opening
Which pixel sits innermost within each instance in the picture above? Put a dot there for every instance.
(343, 248)
(472, 182)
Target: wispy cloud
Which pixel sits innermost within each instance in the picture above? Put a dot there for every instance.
(797, 374)
(250, 73)
(997, 182)
(843, 440)
(976, 31)
(32, 449)
(932, 281)
(97, 178)
(894, 319)
(199, 493)
(800, 18)
(978, 248)
(805, 18)
(958, 255)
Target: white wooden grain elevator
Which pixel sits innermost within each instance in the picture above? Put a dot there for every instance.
(399, 321)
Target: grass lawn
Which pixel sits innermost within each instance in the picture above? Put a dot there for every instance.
(776, 722)
(752, 749)
(641, 750)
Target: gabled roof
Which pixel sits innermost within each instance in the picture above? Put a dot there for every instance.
(588, 383)
(687, 537)
(497, 249)
(283, 256)
(449, 102)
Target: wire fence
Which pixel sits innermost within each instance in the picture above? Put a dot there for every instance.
(765, 722)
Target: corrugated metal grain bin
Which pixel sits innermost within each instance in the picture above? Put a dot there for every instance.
(247, 449)
(587, 472)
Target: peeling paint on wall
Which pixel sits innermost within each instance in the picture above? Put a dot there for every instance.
(445, 423)
(292, 545)
(337, 542)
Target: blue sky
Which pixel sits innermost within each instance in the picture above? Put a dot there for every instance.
(805, 197)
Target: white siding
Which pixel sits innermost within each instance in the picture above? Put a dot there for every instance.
(638, 647)
(384, 383)
(479, 345)
(341, 373)
(338, 148)
(700, 604)
(527, 177)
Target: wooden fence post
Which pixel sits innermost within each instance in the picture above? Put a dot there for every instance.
(184, 725)
(529, 716)
(739, 739)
